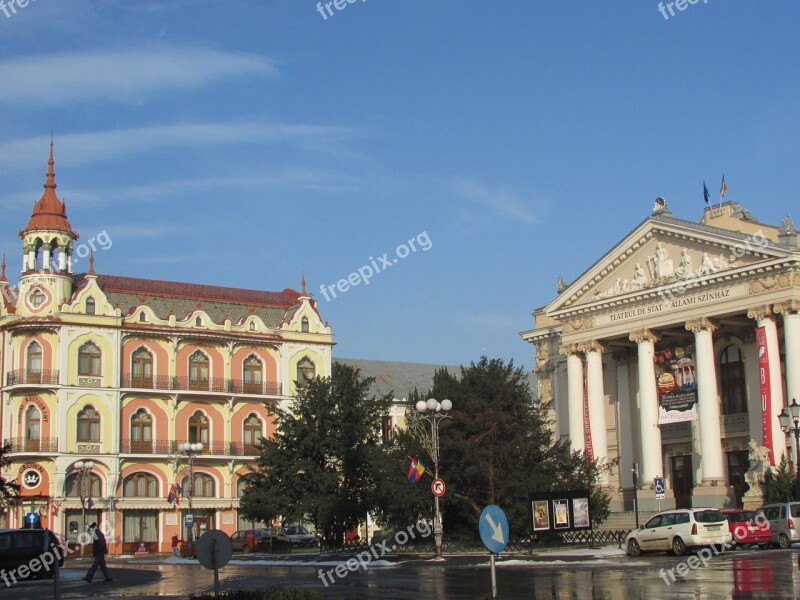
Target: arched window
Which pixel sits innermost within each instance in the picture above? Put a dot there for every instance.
(89, 425)
(252, 434)
(732, 383)
(140, 485)
(304, 325)
(241, 485)
(89, 360)
(198, 371)
(252, 369)
(92, 486)
(142, 317)
(306, 371)
(141, 432)
(203, 486)
(198, 322)
(198, 428)
(252, 326)
(33, 421)
(142, 369)
(34, 357)
(91, 307)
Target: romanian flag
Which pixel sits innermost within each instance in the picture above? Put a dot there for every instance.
(706, 195)
(416, 470)
(723, 188)
(175, 492)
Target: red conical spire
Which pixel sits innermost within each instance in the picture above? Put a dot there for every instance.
(49, 212)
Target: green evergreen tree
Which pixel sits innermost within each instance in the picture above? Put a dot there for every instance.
(8, 489)
(326, 461)
(780, 484)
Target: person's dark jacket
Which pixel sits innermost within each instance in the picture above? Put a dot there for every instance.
(99, 547)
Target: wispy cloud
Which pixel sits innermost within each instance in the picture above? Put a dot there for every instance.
(129, 77)
(99, 147)
(500, 200)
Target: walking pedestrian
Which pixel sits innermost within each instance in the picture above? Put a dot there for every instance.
(176, 545)
(99, 551)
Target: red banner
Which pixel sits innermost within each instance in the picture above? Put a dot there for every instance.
(766, 400)
(587, 427)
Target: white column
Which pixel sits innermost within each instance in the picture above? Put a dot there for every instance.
(707, 400)
(46, 258)
(62, 260)
(762, 315)
(574, 396)
(791, 346)
(625, 413)
(651, 456)
(597, 400)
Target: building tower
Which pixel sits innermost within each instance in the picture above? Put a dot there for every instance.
(46, 280)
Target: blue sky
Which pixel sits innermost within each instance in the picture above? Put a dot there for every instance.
(240, 142)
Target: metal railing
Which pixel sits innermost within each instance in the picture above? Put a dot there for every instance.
(171, 447)
(211, 384)
(19, 444)
(39, 377)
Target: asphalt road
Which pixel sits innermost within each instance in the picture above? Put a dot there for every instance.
(751, 574)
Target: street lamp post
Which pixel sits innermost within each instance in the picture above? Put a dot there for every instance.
(190, 451)
(434, 411)
(635, 474)
(84, 468)
(790, 423)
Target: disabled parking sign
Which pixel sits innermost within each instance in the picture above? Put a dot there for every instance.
(658, 486)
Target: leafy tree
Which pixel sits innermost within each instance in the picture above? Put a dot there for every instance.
(780, 484)
(498, 448)
(326, 459)
(8, 489)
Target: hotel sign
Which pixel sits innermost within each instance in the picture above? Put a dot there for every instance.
(670, 299)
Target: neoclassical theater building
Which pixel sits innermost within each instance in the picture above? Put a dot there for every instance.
(116, 373)
(676, 351)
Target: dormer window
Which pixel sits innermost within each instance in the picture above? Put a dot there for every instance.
(252, 325)
(198, 322)
(142, 317)
(90, 306)
(304, 325)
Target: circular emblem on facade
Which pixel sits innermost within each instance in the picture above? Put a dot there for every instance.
(36, 299)
(31, 479)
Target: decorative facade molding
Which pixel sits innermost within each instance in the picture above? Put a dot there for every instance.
(701, 324)
(771, 282)
(574, 324)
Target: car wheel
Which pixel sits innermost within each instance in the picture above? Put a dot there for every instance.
(634, 549)
(678, 547)
(783, 541)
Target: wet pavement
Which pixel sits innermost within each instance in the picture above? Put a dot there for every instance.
(751, 574)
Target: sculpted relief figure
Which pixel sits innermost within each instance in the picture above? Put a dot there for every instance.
(661, 262)
(707, 265)
(759, 465)
(639, 279)
(684, 271)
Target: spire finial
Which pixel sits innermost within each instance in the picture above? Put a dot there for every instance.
(91, 264)
(303, 284)
(3, 268)
(50, 177)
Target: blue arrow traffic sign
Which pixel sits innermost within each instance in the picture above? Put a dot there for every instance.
(493, 527)
(32, 518)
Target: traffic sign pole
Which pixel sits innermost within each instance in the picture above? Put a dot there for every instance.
(494, 576)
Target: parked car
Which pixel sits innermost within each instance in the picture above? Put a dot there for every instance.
(784, 522)
(748, 529)
(300, 536)
(260, 539)
(279, 540)
(679, 529)
(19, 547)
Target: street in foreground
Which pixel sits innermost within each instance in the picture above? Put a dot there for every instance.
(753, 574)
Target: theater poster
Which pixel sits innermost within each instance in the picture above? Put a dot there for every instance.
(676, 381)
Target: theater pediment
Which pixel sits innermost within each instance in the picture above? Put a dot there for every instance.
(663, 254)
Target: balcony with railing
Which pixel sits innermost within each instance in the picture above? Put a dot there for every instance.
(171, 447)
(212, 384)
(19, 444)
(30, 377)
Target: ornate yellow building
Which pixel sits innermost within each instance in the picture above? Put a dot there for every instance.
(115, 373)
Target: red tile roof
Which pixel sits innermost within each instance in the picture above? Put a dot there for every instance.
(49, 212)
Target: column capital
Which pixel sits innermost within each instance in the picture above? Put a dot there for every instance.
(759, 313)
(569, 349)
(643, 335)
(592, 346)
(789, 307)
(701, 324)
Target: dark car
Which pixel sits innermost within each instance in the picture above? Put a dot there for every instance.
(300, 536)
(747, 528)
(30, 552)
(260, 540)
